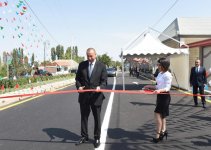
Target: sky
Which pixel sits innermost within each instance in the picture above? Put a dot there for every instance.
(106, 25)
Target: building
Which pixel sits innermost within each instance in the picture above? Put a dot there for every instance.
(203, 51)
(196, 33)
(63, 66)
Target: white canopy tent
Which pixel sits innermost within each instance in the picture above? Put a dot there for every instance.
(153, 48)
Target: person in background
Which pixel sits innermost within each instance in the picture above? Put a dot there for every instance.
(198, 80)
(156, 73)
(137, 72)
(130, 71)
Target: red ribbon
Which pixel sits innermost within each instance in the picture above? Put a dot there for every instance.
(147, 92)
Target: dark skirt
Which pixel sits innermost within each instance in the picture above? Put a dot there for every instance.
(162, 105)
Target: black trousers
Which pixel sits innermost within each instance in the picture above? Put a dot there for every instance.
(201, 91)
(85, 111)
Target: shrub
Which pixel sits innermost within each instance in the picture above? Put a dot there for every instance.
(25, 80)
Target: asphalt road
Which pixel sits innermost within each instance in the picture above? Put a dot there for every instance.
(52, 122)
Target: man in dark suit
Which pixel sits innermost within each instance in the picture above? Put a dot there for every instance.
(198, 80)
(91, 74)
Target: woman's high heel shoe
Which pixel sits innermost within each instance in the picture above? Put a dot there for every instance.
(163, 134)
(156, 140)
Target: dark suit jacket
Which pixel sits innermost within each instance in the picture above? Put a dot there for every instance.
(98, 78)
(156, 73)
(198, 78)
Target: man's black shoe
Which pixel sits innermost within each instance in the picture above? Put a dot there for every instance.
(196, 105)
(204, 106)
(82, 140)
(96, 143)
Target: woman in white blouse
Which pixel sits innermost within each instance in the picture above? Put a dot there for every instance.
(162, 89)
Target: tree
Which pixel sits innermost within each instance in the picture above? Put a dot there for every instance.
(79, 59)
(15, 60)
(26, 60)
(21, 57)
(3, 70)
(68, 53)
(47, 62)
(60, 52)
(58, 47)
(53, 54)
(75, 51)
(36, 63)
(5, 57)
(18, 66)
(11, 71)
(32, 60)
(118, 64)
(105, 59)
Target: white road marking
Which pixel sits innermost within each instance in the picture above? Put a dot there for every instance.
(106, 120)
(135, 83)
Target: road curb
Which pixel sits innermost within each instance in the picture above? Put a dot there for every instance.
(38, 89)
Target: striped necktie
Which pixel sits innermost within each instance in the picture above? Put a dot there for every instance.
(90, 69)
(197, 70)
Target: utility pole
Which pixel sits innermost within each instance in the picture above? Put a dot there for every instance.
(123, 71)
(45, 43)
(71, 59)
(44, 54)
(71, 53)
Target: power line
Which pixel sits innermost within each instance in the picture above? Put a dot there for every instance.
(165, 13)
(41, 22)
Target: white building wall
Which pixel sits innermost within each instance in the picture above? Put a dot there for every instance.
(179, 68)
(207, 60)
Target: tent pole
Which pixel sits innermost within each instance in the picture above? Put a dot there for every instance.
(169, 37)
(131, 42)
(123, 72)
(176, 80)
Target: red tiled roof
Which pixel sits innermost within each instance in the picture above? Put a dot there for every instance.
(66, 63)
(63, 63)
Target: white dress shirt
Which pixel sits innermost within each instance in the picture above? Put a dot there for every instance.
(198, 68)
(164, 80)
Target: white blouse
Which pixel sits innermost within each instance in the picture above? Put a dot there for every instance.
(164, 80)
